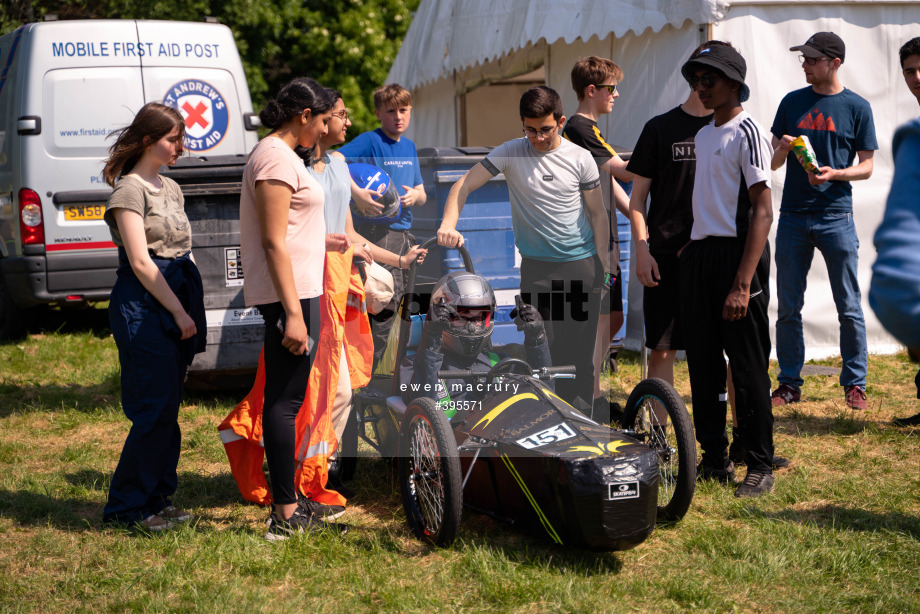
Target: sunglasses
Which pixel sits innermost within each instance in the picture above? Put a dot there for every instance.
(811, 61)
(611, 89)
(708, 80)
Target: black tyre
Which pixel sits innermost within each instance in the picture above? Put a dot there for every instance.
(673, 440)
(429, 473)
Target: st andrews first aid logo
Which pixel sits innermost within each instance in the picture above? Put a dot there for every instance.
(204, 110)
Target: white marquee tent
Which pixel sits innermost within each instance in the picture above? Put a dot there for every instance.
(454, 47)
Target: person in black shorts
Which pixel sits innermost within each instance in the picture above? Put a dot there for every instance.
(663, 162)
(595, 80)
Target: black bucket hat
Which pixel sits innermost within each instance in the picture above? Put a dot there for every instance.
(724, 59)
(823, 44)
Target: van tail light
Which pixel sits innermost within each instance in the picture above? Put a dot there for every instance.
(31, 228)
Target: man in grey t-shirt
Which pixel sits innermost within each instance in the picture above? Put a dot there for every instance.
(560, 226)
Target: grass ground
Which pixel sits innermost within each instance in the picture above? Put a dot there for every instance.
(841, 532)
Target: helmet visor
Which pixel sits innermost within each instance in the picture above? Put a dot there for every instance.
(472, 319)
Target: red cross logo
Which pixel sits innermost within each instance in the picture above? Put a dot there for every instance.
(195, 115)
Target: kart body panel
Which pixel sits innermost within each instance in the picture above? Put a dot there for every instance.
(544, 464)
(529, 457)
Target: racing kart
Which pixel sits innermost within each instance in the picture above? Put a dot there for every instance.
(525, 456)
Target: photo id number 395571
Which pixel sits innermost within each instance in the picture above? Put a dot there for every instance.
(461, 405)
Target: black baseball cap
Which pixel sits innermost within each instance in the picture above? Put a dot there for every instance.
(823, 44)
(726, 60)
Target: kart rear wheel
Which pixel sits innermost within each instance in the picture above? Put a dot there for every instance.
(673, 441)
(429, 473)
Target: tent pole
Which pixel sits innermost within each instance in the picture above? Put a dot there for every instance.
(705, 32)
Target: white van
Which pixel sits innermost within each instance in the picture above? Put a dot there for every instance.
(64, 87)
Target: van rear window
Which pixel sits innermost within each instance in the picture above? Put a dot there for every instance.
(82, 106)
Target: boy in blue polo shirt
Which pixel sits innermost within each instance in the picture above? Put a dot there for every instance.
(387, 148)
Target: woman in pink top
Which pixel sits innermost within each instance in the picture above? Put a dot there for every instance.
(283, 242)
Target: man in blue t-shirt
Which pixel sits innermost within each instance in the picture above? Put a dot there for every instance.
(386, 148)
(895, 290)
(817, 211)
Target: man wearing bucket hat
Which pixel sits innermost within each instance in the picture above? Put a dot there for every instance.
(817, 212)
(724, 272)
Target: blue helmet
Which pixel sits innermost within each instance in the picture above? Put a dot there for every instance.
(368, 176)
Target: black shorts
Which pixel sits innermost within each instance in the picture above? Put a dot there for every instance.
(660, 306)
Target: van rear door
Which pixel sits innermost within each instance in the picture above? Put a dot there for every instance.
(195, 67)
(86, 84)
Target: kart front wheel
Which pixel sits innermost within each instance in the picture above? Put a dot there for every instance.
(429, 473)
(659, 417)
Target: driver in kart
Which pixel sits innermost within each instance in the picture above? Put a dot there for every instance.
(457, 335)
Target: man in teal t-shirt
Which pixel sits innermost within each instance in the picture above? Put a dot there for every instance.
(560, 227)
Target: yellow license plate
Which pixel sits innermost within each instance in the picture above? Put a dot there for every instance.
(83, 212)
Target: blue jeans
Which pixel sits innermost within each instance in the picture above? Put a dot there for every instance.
(797, 236)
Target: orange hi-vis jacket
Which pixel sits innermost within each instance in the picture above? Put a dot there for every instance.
(344, 325)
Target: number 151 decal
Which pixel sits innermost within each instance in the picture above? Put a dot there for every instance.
(547, 436)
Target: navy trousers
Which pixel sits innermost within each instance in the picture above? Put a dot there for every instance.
(153, 366)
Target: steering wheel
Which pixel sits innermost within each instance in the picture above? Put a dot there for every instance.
(509, 365)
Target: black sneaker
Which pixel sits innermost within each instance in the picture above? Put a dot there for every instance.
(725, 475)
(781, 463)
(280, 529)
(318, 510)
(755, 484)
(909, 421)
(174, 514)
(737, 453)
(155, 523)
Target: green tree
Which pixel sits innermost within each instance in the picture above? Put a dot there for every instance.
(348, 45)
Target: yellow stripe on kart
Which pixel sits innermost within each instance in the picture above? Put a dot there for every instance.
(492, 415)
(600, 449)
(543, 519)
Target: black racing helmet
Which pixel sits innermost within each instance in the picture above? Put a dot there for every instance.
(471, 303)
